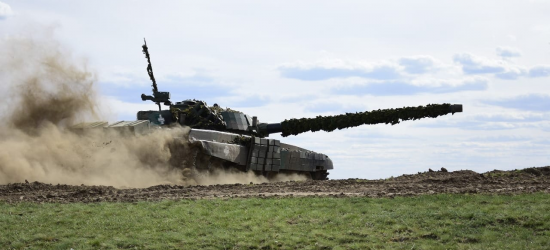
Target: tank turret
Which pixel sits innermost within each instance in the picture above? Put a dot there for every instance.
(197, 114)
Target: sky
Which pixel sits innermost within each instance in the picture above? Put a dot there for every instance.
(290, 59)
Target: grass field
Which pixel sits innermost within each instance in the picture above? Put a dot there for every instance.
(423, 222)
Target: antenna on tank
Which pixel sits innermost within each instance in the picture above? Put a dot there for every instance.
(157, 96)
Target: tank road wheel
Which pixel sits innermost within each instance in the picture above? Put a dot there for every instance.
(200, 166)
(202, 161)
(319, 175)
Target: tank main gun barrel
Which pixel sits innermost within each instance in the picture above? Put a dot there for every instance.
(348, 120)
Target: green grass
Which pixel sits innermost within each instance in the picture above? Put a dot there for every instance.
(424, 222)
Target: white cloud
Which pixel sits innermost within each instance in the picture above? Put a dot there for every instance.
(414, 87)
(531, 102)
(472, 64)
(502, 69)
(337, 68)
(512, 73)
(419, 64)
(5, 10)
(506, 52)
(540, 71)
(452, 82)
(380, 70)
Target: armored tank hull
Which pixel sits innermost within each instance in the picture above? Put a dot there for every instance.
(262, 155)
(212, 150)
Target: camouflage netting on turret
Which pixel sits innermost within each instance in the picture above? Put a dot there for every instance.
(387, 116)
(201, 116)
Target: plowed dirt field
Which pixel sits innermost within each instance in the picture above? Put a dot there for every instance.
(432, 182)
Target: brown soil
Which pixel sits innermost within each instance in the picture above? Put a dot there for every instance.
(432, 182)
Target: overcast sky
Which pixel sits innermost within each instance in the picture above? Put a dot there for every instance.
(292, 59)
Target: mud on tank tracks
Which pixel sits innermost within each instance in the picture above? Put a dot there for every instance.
(432, 182)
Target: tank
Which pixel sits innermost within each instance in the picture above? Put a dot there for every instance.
(226, 138)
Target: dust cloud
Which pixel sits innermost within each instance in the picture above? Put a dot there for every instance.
(44, 89)
(230, 177)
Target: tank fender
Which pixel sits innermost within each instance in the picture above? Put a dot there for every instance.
(229, 152)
